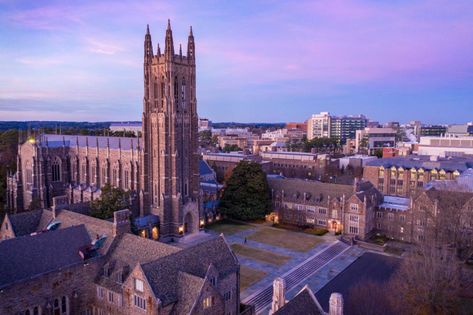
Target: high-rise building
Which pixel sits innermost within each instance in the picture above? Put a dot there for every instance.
(345, 127)
(170, 125)
(318, 126)
(341, 128)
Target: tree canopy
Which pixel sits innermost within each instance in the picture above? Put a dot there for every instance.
(112, 199)
(246, 195)
(231, 148)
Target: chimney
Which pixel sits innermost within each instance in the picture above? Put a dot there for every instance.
(279, 295)
(335, 304)
(121, 222)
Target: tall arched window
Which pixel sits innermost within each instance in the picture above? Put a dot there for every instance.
(115, 177)
(126, 179)
(176, 89)
(56, 170)
(183, 90)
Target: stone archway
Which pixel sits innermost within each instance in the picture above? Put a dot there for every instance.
(188, 223)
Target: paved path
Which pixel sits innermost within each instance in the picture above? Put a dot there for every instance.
(262, 298)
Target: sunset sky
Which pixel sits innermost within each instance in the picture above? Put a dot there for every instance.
(270, 61)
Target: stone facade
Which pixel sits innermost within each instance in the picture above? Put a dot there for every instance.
(160, 169)
(127, 274)
(407, 176)
(338, 208)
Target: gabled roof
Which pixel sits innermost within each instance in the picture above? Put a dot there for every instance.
(303, 303)
(25, 257)
(25, 223)
(162, 274)
(114, 143)
(204, 168)
(315, 191)
(449, 199)
(189, 290)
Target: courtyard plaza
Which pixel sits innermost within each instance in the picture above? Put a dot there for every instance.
(266, 252)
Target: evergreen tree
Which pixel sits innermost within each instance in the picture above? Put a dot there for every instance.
(246, 195)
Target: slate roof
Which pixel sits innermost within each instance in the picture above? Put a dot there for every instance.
(25, 223)
(57, 141)
(317, 192)
(204, 168)
(423, 161)
(24, 257)
(162, 274)
(189, 289)
(449, 199)
(303, 303)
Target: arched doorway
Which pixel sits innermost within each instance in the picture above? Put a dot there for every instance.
(188, 223)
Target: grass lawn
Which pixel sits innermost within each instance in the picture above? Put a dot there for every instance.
(292, 240)
(260, 254)
(227, 227)
(249, 276)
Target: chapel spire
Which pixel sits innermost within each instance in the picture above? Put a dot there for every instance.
(191, 47)
(169, 48)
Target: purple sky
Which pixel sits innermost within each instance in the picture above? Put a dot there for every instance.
(257, 60)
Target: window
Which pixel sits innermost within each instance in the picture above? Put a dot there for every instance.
(322, 222)
(390, 216)
(64, 305)
(379, 214)
(378, 226)
(6, 226)
(354, 218)
(213, 281)
(110, 297)
(56, 171)
(402, 218)
(227, 296)
(100, 292)
(322, 210)
(402, 229)
(353, 229)
(140, 302)
(126, 179)
(354, 207)
(139, 286)
(208, 302)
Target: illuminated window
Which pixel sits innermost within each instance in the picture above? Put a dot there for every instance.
(208, 302)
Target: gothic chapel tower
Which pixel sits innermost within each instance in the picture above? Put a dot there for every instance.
(170, 174)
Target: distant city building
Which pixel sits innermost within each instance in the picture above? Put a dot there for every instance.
(298, 164)
(132, 126)
(342, 128)
(460, 130)
(369, 140)
(432, 130)
(318, 126)
(223, 163)
(204, 124)
(345, 127)
(297, 125)
(405, 176)
(446, 146)
(233, 140)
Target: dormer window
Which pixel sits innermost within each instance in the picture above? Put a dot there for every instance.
(106, 270)
(213, 281)
(120, 277)
(354, 207)
(139, 286)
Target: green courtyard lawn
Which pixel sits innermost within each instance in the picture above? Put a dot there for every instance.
(260, 254)
(227, 227)
(297, 241)
(249, 276)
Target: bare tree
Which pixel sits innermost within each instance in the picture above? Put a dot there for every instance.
(431, 278)
(369, 298)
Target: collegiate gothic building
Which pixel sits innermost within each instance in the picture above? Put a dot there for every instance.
(160, 169)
